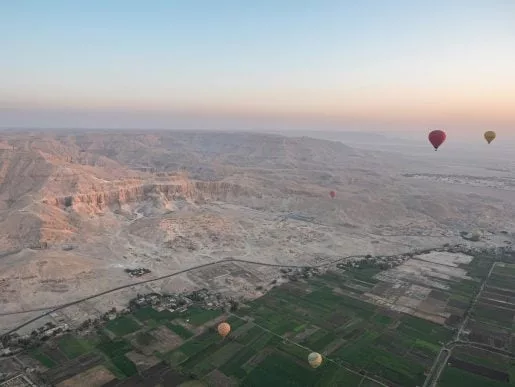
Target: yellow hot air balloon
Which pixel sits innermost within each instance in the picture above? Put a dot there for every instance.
(314, 359)
(489, 136)
(223, 329)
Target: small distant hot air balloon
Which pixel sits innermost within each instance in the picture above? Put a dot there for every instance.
(436, 138)
(489, 136)
(314, 359)
(223, 329)
(332, 194)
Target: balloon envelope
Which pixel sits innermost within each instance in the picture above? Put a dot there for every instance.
(489, 136)
(314, 359)
(223, 329)
(333, 194)
(436, 138)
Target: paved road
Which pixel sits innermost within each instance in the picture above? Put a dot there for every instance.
(55, 308)
(441, 363)
(446, 350)
(464, 324)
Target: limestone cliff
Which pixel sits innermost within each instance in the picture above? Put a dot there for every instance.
(187, 190)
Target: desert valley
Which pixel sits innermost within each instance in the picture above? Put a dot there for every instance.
(80, 210)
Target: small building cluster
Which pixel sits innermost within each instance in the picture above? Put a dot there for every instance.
(137, 272)
(14, 343)
(383, 263)
(16, 381)
(294, 274)
(180, 302)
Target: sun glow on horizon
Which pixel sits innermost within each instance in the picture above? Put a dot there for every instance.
(333, 62)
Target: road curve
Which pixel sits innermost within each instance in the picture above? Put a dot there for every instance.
(55, 308)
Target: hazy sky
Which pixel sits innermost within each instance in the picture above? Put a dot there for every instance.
(268, 64)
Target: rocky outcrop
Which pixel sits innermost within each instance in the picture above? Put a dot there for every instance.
(172, 191)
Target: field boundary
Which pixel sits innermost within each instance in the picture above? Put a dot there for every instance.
(55, 308)
(440, 362)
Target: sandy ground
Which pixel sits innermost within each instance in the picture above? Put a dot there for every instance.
(94, 377)
(265, 200)
(50, 277)
(404, 292)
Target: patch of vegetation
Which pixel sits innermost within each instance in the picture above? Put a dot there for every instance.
(180, 330)
(224, 354)
(73, 346)
(127, 367)
(234, 366)
(148, 313)
(42, 358)
(114, 348)
(198, 316)
(278, 370)
(235, 322)
(201, 357)
(200, 343)
(122, 326)
(333, 375)
(483, 358)
(175, 357)
(453, 377)
(145, 339)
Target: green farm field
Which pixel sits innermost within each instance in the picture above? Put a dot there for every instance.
(486, 357)
(362, 344)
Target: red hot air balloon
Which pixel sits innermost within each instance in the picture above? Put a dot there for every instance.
(333, 194)
(436, 138)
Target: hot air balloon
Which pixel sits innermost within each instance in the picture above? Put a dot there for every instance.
(489, 136)
(436, 138)
(333, 194)
(223, 329)
(314, 359)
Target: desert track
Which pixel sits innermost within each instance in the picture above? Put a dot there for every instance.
(55, 308)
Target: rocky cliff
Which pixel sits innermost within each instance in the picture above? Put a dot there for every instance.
(186, 190)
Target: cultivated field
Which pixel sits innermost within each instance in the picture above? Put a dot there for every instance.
(364, 341)
(485, 354)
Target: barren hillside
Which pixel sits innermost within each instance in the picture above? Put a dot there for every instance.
(77, 208)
